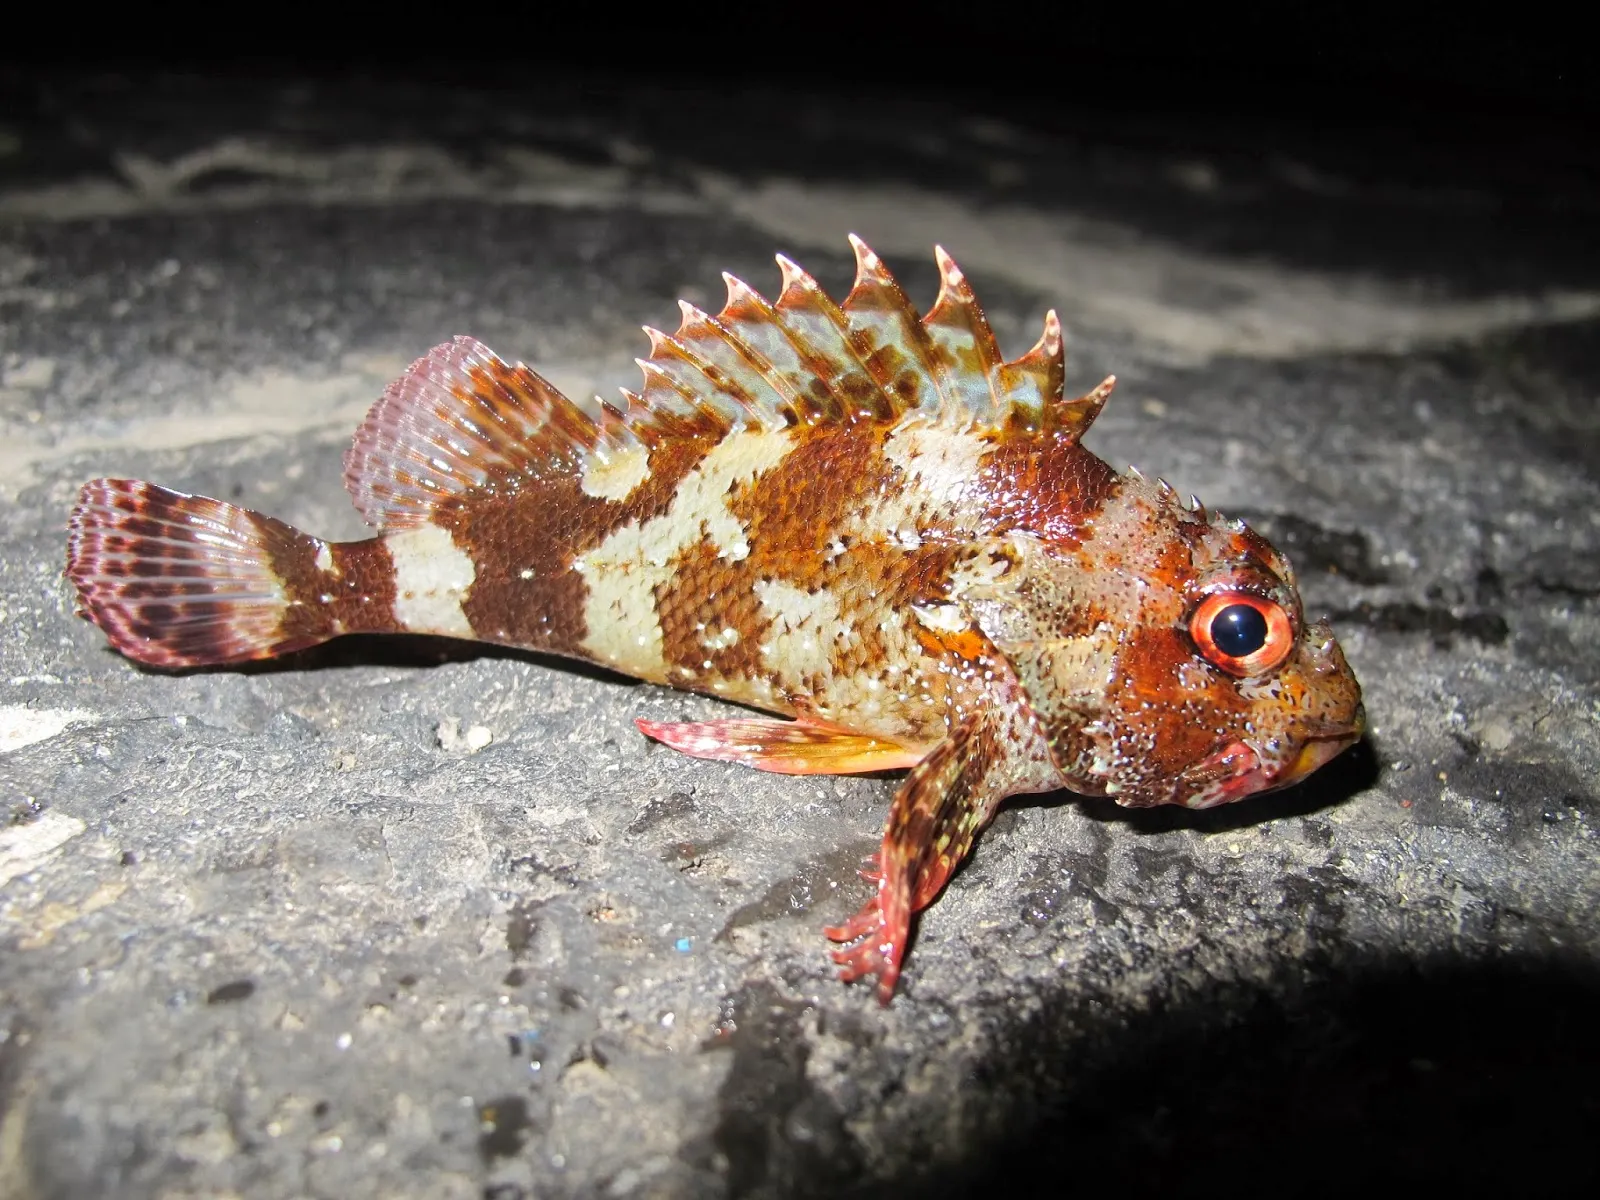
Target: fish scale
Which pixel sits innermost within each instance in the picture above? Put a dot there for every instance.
(863, 521)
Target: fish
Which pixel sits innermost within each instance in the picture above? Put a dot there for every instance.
(856, 520)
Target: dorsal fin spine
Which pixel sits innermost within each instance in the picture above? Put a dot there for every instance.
(693, 416)
(757, 362)
(873, 276)
(958, 324)
(799, 287)
(808, 407)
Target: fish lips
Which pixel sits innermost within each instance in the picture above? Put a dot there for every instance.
(1239, 769)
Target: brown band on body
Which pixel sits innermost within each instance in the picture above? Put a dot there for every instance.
(1051, 488)
(354, 595)
(524, 533)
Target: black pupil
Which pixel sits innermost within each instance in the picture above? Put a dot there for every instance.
(1239, 630)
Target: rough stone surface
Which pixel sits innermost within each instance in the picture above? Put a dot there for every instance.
(432, 920)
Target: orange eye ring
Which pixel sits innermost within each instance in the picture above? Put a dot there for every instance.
(1242, 633)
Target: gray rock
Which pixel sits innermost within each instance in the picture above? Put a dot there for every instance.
(409, 919)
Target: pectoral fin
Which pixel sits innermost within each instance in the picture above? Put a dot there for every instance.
(787, 747)
(937, 814)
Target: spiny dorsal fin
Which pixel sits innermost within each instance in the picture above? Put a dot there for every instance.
(961, 337)
(1072, 417)
(889, 338)
(457, 419)
(813, 320)
(805, 360)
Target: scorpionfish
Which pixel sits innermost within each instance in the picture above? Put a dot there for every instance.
(861, 520)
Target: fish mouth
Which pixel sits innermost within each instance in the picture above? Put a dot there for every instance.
(1321, 746)
(1238, 770)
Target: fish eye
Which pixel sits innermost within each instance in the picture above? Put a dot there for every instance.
(1241, 633)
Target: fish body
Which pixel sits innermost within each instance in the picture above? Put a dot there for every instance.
(858, 519)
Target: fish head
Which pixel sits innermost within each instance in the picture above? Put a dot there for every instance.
(1165, 654)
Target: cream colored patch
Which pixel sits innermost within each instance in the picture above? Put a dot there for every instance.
(1122, 533)
(1079, 669)
(805, 628)
(802, 651)
(982, 574)
(616, 475)
(22, 726)
(25, 848)
(939, 458)
(324, 559)
(623, 572)
(432, 576)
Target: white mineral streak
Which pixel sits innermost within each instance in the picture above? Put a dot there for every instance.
(22, 726)
(24, 848)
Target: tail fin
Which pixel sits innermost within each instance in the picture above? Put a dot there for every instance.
(183, 581)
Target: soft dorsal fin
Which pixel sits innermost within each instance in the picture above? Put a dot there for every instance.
(458, 419)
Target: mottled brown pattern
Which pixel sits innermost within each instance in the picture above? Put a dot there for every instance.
(795, 516)
(541, 525)
(355, 596)
(531, 526)
(1049, 486)
(1148, 694)
(848, 380)
(793, 511)
(963, 584)
(707, 595)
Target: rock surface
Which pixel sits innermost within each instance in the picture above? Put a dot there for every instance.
(433, 920)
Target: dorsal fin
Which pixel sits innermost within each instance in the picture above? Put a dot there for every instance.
(457, 419)
(960, 334)
(1072, 417)
(460, 418)
(814, 321)
(889, 338)
(806, 360)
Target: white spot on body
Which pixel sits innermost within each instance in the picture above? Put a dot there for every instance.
(946, 618)
(324, 559)
(721, 640)
(614, 476)
(431, 578)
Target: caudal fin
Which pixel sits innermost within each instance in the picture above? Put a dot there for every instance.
(182, 581)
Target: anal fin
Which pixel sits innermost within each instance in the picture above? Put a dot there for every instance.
(786, 747)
